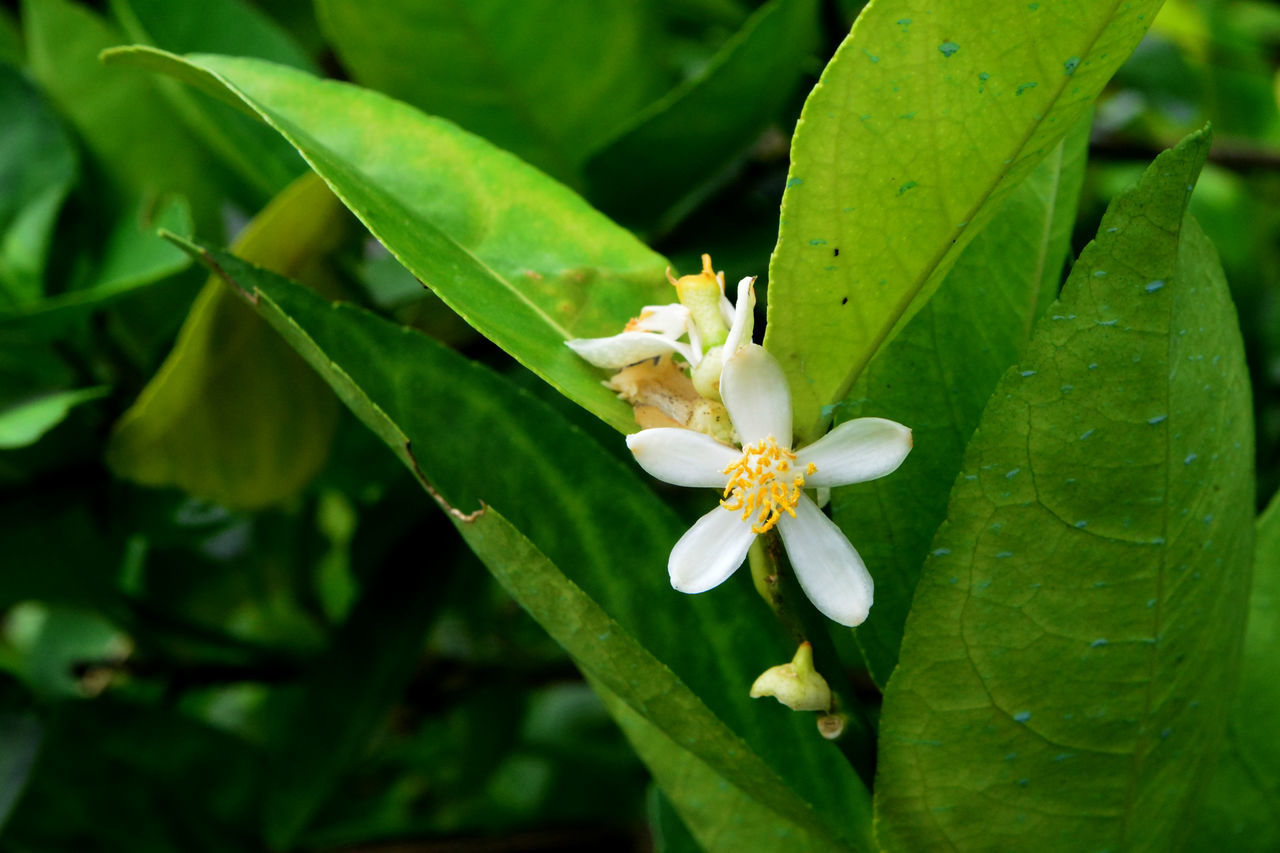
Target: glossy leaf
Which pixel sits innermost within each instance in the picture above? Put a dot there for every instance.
(255, 152)
(1065, 672)
(667, 157)
(1242, 812)
(612, 608)
(543, 79)
(38, 165)
(234, 415)
(937, 375)
(924, 121)
(521, 258)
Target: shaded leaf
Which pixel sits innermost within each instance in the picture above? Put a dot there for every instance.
(255, 152)
(521, 258)
(233, 415)
(20, 736)
(148, 152)
(924, 121)
(666, 157)
(937, 375)
(1065, 672)
(37, 168)
(544, 79)
(1242, 811)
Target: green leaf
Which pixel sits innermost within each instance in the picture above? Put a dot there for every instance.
(123, 123)
(1066, 670)
(233, 415)
(1242, 811)
(38, 165)
(593, 519)
(936, 377)
(135, 258)
(667, 157)
(521, 258)
(717, 813)
(255, 152)
(924, 121)
(544, 79)
(23, 424)
(20, 736)
(346, 696)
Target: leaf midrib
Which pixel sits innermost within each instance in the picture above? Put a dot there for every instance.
(936, 260)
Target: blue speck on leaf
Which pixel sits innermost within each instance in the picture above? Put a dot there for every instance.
(1071, 65)
(948, 48)
(793, 182)
(1098, 642)
(815, 242)
(902, 189)
(1157, 419)
(1024, 87)
(1152, 286)
(1021, 716)
(1024, 373)
(1191, 457)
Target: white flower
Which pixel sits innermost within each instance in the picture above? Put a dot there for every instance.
(763, 484)
(657, 331)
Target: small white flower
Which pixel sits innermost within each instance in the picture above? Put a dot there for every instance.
(763, 485)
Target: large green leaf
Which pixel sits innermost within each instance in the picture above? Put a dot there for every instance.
(37, 167)
(257, 154)
(592, 574)
(123, 122)
(1065, 674)
(926, 119)
(1242, 812)
(233, 415)
(546, 80)
(520, 257)
(666, 158)
(937, 375)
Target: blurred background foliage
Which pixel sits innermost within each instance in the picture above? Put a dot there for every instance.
(229, 619)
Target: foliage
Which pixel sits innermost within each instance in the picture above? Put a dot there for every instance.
(318, 536)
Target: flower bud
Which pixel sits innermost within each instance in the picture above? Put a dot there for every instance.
(702, 293)
(796, 685)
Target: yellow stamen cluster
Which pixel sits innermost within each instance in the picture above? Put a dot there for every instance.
(762, 485)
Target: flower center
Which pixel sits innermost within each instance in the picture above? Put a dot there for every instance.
(762, 484)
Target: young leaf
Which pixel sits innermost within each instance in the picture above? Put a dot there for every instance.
(665, 159)
(1242, 811)
(937, 375)
(544, 79)
(233, 415)
(926, 119)
(583, 552)
(1065, 672)
(520, 257)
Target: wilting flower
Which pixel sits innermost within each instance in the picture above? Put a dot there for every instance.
(763, 482)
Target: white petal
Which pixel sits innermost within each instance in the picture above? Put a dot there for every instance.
(755, 392)
(670, 321)
(627, 348)
(743, 317)
(710, 551)
(830, 572)
(856, 451)
(683, 457)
